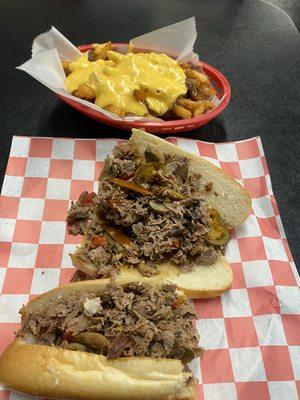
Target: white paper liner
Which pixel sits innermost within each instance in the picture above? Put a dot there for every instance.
(176, 39)
(53, 39)
(50, 47)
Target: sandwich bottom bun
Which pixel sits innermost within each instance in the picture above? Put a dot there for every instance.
(54, 372)
(204, 281)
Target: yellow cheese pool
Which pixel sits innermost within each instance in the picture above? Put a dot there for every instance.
(115, 79)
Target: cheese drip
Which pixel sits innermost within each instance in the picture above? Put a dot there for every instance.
(114, 81)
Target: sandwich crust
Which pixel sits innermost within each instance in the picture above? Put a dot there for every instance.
(227, 196)
(204, 281)
(54, 372)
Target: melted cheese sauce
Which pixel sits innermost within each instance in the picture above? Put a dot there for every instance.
(115, 79)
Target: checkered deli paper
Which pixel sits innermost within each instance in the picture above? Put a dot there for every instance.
(251, 334)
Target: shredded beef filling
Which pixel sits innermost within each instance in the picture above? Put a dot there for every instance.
(136, 320)
(150, 208)
(80, 213)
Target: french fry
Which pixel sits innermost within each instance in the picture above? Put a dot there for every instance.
(65, 65)
(198, 91)
(185, 66)
(181, 112)
(193, 74)
(208, 105)
(110, 63)
(116, 110)
(131, 48)
(199, 111)
(189, 104)
(100, 51)
(85, 92)
(207, 91)
(150, 116)
(140, 94)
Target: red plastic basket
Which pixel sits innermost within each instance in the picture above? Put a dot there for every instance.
(165, 127)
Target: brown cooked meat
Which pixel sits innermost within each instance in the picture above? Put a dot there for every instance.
(80, 213)
(136, 320)
(154, 203)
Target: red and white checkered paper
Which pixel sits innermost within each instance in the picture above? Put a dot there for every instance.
(251, 334)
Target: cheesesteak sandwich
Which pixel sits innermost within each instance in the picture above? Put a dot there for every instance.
(161, 213)
(99, 340)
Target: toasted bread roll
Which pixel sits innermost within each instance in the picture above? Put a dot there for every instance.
(55, 372)
(227, 196)
(204, 281)
(224, 198)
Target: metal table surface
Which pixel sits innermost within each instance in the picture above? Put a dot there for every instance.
(256, 46)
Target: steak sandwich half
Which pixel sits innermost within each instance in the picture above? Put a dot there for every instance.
(97, 340)
(161, 214)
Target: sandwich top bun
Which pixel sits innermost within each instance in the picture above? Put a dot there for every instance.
(227, 196)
